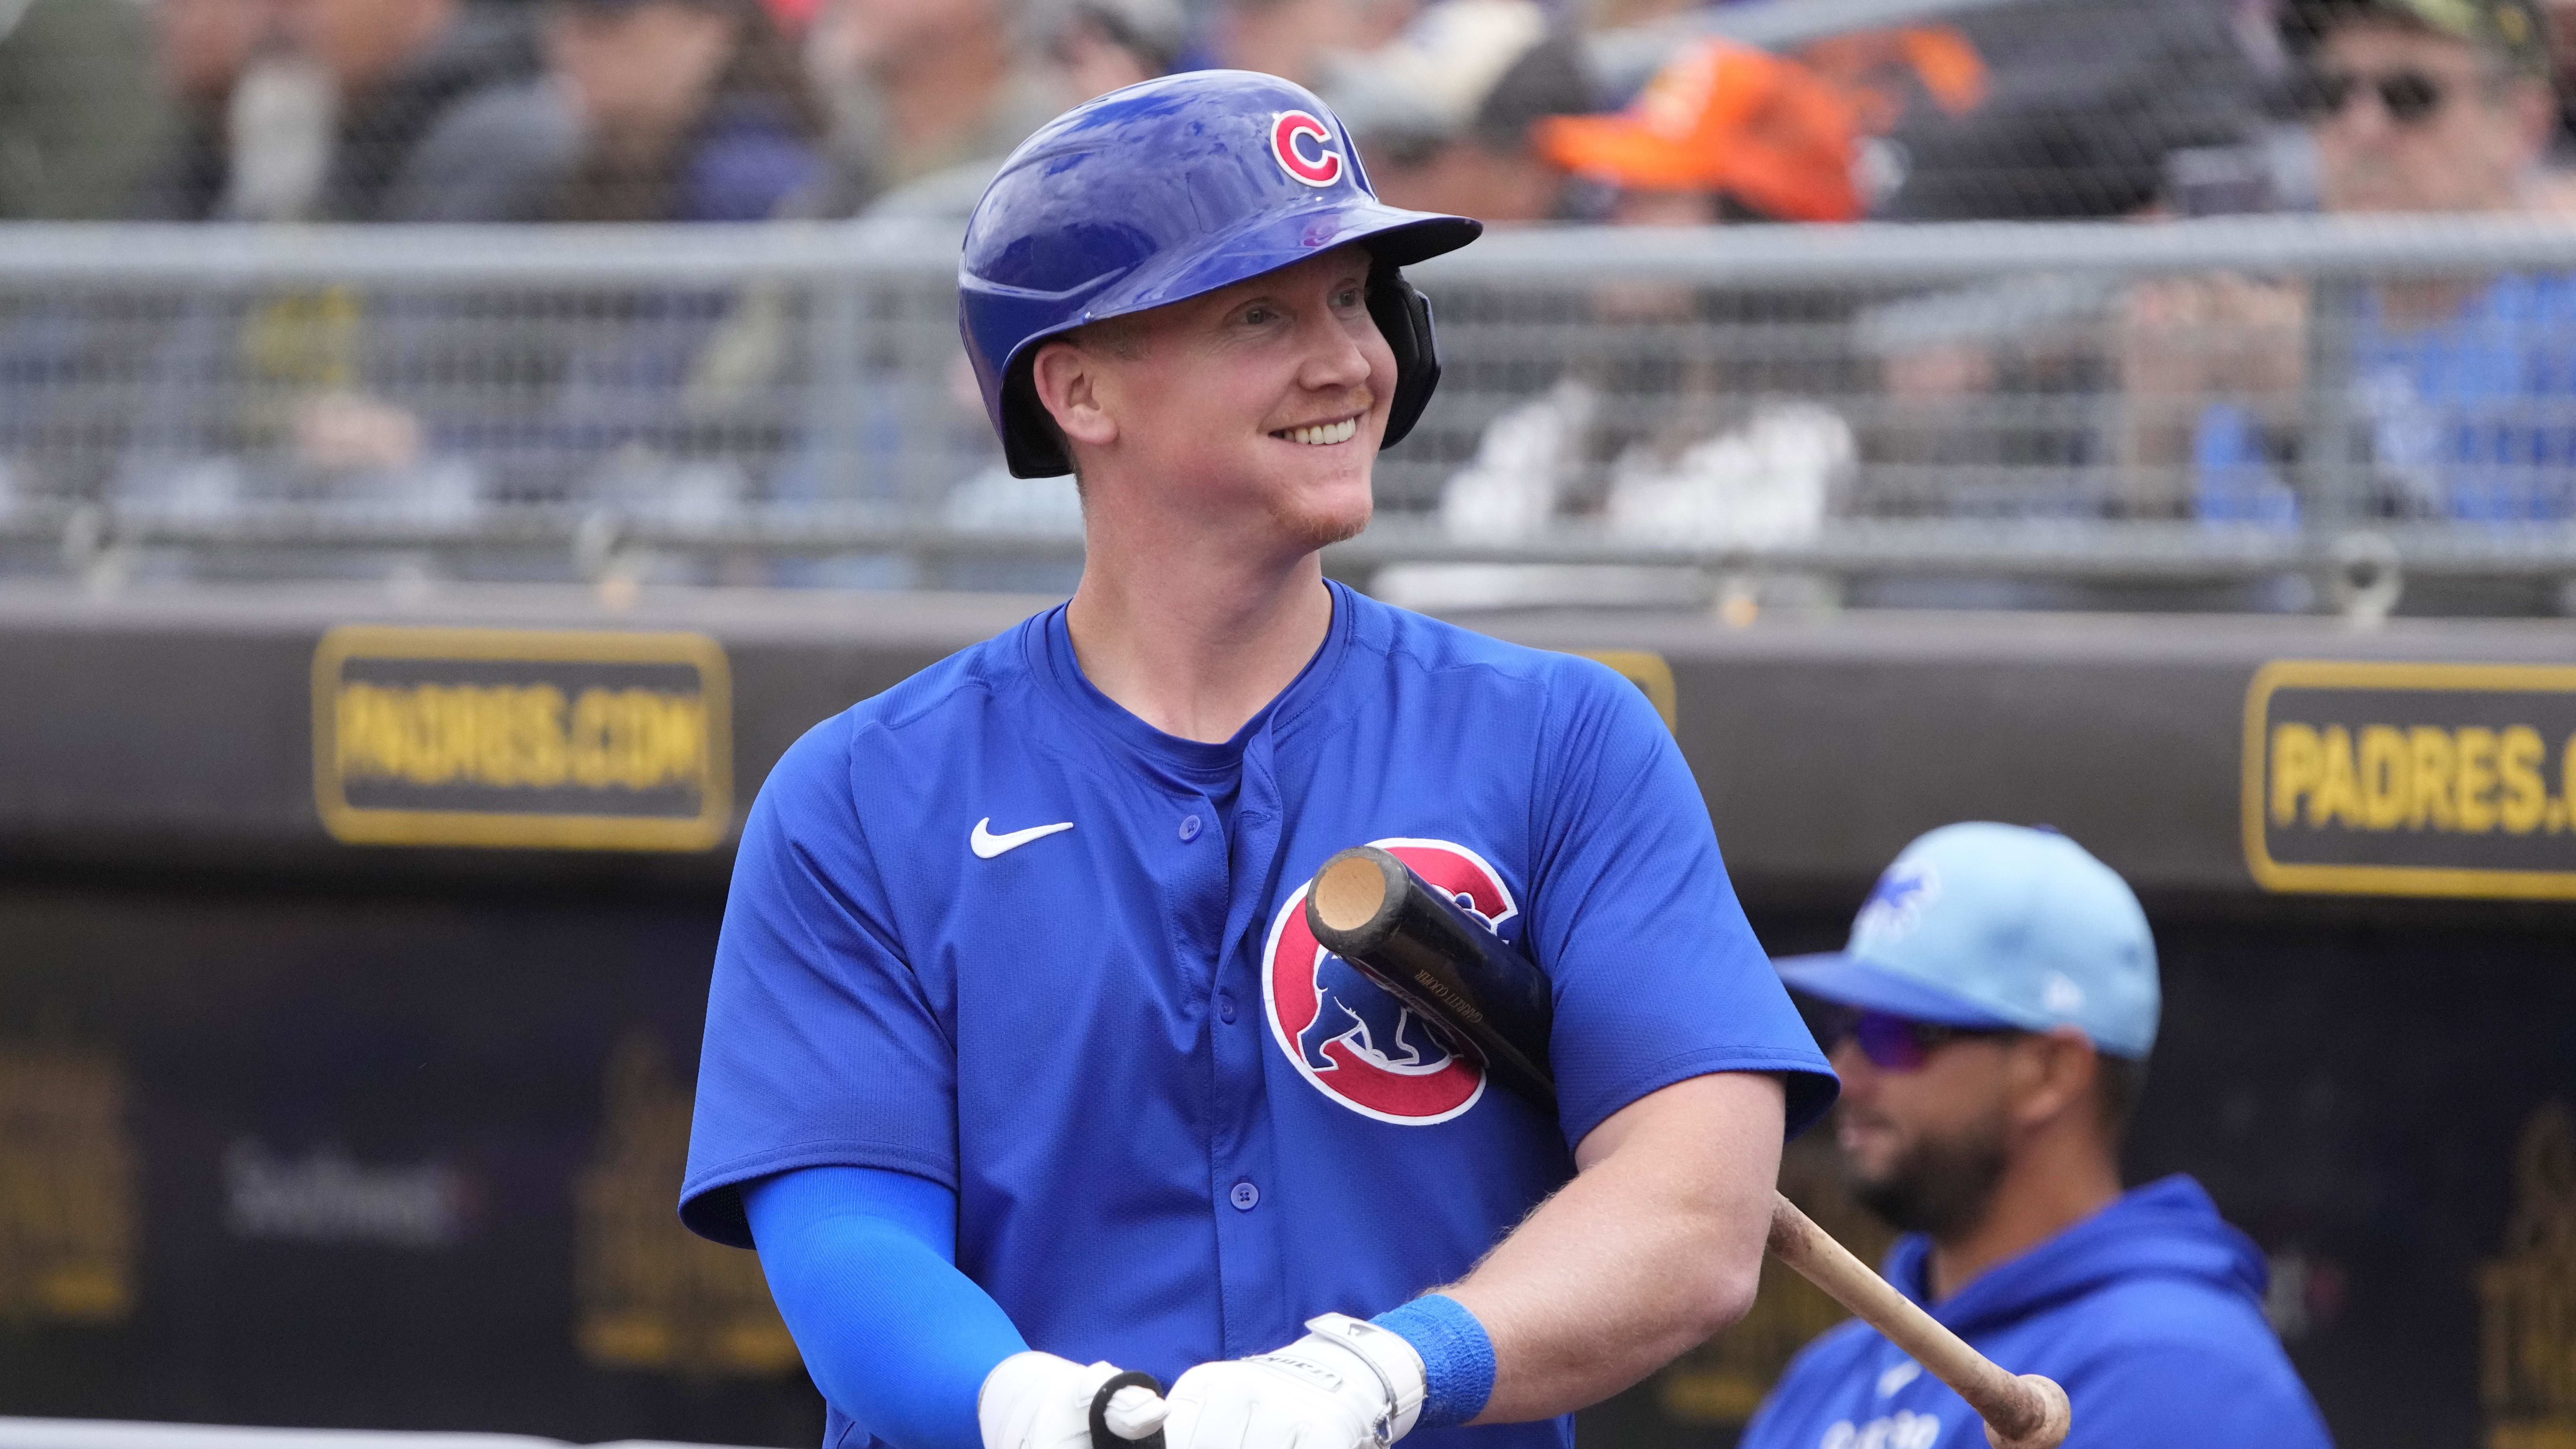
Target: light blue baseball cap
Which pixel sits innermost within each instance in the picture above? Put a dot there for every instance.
(1979, 924)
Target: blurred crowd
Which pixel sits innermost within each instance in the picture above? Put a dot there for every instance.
(2199, 393)
(1511, 110)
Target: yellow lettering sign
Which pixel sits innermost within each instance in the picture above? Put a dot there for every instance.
(2474, 795)
(2439, 779)
(2430, 754)
(2525, 802)
(2470, 780)
(2298, 763)
(2387, 784)
(2338, 794)
(514, 736)
(522, 737)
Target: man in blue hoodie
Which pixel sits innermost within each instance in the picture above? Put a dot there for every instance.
(1991, 1020)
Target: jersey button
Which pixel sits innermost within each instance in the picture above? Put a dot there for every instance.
(1245, 1197)
(1225, 1007)
(1189, 828)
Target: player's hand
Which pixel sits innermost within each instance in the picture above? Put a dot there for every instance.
(1039, 1401)
(1346, 1385)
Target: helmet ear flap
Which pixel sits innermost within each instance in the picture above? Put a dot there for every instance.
(1032, 445)
(1403, 317)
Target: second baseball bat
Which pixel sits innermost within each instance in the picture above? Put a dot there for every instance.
(1369, 908)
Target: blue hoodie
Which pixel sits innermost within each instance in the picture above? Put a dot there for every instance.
(2149, 1313)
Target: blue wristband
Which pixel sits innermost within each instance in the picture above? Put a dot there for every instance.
(1457, 1357)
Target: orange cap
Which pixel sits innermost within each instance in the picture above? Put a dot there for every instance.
(1725, 117)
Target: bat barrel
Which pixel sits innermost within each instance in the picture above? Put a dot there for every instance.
(1369, 908)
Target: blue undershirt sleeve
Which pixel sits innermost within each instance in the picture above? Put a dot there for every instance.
(862, 1262)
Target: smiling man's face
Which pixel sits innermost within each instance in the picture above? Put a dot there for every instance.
(1259, 405)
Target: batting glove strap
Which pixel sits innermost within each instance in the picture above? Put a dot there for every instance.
(1383, 1355)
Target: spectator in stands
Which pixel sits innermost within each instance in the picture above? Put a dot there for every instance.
(205, 48)
(2562, 74)
(440, 112)
(2458, 389)
(80, 120)
(691, 110)
(1700, 442)
(2037, 110)
(1293, 38)
(1085, 48)
(917, 87)
(337, 110)
(2425, 105)
(2083, 104)
(1724, 132)
(1445, 115)
(1099, 46)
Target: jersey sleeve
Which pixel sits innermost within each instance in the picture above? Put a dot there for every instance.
(822, 1048)
(1657, 974)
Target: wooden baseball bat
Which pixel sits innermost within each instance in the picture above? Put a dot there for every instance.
(2022, 1411)
(1369, 908)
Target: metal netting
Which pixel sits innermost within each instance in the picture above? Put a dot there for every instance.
(790, 404)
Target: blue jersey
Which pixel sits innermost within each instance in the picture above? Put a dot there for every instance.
(2148, 1313)
(993, 930)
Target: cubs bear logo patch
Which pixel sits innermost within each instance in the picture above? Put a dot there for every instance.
(1349, 1037)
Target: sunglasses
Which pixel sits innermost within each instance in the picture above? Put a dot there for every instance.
(1896, 1043)
(2410, 97)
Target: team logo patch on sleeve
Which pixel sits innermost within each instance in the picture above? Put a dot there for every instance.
(1304, 146)
(1345, 1034)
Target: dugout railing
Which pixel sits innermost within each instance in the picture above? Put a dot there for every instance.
(2299, 409)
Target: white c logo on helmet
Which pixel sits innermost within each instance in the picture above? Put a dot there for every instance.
(1303, 146)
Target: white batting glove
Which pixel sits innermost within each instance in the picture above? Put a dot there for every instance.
(1347, 1384)
(1039, 1401)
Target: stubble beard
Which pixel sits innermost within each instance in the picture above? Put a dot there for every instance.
(1310, 528)
(1942, 1186)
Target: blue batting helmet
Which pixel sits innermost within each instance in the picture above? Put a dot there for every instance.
(1164, 191)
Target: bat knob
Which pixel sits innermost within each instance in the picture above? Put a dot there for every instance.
(1114, 1413)
(2046, 1427)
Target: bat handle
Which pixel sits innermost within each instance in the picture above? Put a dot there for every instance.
(1105, 1435)
(2021, 1412)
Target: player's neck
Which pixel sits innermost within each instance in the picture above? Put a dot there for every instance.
(1196, 645)
(2046, 1189)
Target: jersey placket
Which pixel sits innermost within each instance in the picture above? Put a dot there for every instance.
(1250, 1194)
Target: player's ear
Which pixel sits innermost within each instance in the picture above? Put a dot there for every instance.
(1067, 381)
(2055, 1074)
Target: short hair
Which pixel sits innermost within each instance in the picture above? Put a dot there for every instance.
(1120, 336)
(2118, 1083)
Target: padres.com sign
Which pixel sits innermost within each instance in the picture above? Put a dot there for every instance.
(563, 739)
(2412, 779)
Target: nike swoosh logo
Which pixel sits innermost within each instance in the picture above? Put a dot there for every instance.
(986, 844)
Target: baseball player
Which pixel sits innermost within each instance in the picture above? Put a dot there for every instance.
(1991, 1020)
(1022, 1071)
